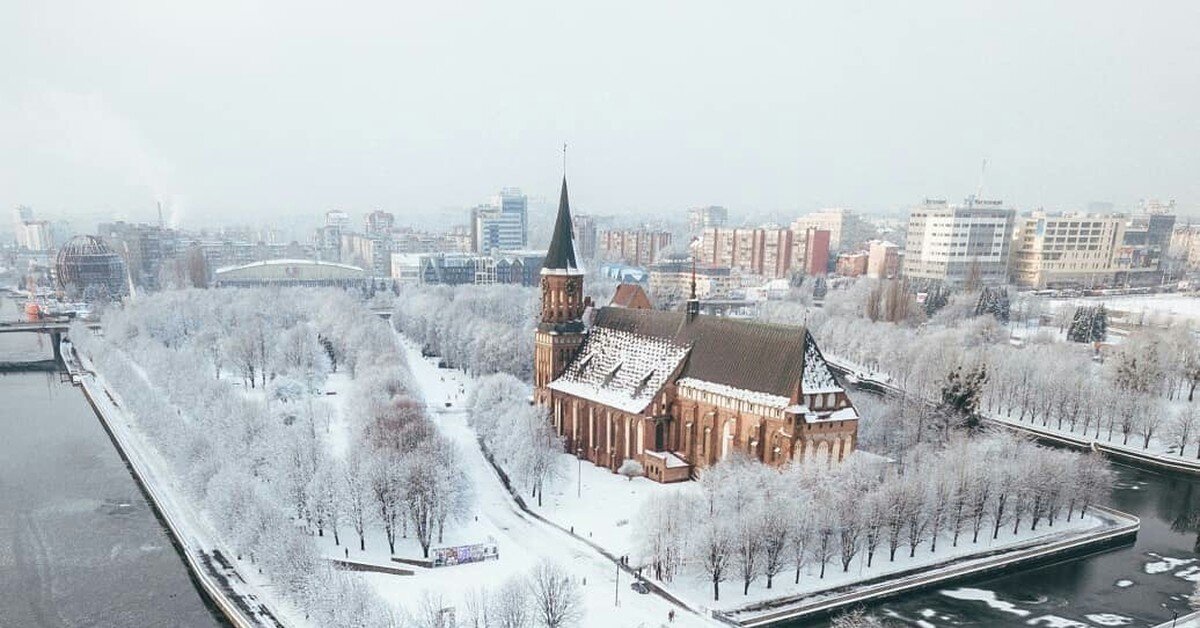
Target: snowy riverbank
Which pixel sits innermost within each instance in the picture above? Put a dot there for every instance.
(241, 595)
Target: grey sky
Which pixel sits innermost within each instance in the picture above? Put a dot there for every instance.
(237, 110)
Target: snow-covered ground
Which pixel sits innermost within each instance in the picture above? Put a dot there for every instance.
(1162, 307)
(603, 507)
(522, 540)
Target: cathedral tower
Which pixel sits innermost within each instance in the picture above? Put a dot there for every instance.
(560, 330)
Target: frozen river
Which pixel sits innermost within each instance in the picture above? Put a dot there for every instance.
(79, 545)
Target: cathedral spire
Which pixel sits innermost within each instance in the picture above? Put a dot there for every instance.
(560, 257)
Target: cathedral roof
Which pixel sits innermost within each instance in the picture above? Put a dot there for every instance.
(621, 369)
(745, 355)
(560, 257)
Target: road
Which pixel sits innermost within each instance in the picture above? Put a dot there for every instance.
(532, 539)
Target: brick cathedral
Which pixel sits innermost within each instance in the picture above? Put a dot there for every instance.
(678, 391)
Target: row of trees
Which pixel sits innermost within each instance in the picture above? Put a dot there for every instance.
(1056, 384)
(751, 523)
(479, 329)
(231, 393)
(518, 436)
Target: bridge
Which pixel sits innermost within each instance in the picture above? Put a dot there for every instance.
(56, 328)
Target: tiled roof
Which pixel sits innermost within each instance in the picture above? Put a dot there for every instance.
(747, 355)
(620, 369)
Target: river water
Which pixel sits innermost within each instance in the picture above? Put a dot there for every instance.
(79, 545)
(1137, 585)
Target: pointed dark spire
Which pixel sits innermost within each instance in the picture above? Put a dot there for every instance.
(560, 256)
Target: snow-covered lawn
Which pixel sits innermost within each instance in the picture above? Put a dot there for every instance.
(1161, 307)
(603, 508)
(522, 541)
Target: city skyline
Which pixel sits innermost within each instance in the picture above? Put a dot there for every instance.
(239, 110)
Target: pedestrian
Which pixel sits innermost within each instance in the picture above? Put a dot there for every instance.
(347, 552)
(671, 615)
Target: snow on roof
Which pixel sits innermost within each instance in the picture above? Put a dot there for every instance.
(288, 262)
(620, 369)
(766, 399)
(673, 461)
(817, 377)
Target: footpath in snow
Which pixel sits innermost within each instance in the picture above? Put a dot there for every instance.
(522, 540)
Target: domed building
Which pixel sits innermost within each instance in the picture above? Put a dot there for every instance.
(88, 266)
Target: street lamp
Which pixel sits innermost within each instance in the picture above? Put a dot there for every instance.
(579, 475)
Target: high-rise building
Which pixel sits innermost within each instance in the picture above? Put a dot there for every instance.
(844, 226)
(146, 249)
(1185, 245)
(501, 225)
(769, 251)
(380, 222)
(369, 252)
(811, 251)
(585, 236)
(636, 247)
(703, 218)
(1055, 251)
(31, 234)
(959, 244)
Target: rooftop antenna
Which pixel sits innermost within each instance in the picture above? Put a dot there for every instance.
(564, 160)
(982, 175)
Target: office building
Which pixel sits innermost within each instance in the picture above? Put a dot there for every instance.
(501, 225)
(1066, 250)
(959, 244)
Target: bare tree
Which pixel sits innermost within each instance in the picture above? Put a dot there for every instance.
(714, 541)
(510, 606)
(556, 597)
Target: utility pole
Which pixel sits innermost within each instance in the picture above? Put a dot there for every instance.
(617, 588)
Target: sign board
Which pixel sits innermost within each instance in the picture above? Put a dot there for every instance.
(461, 554)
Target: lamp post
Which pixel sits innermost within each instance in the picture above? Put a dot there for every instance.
(617, 587)
(579, 474)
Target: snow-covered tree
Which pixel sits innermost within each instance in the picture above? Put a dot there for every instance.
(631, 469)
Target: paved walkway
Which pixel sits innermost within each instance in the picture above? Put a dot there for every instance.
(525, 535)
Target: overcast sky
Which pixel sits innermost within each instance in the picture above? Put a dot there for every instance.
(242, 110)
